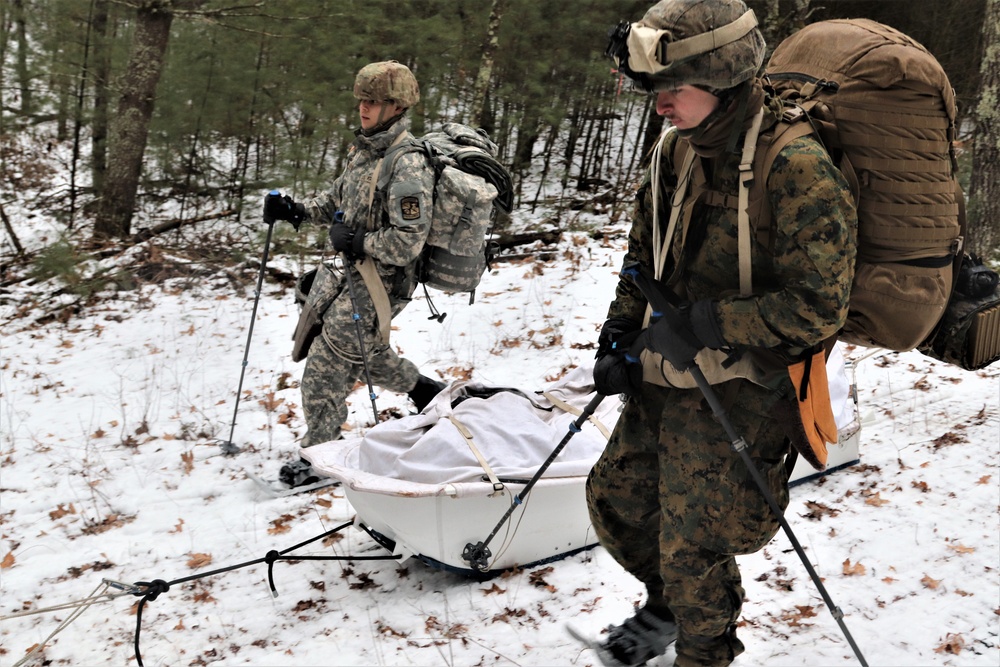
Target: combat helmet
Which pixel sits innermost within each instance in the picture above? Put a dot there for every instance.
(387, 80)
(714, 44)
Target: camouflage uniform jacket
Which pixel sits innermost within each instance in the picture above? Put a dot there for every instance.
(800, 287)
(401, 216)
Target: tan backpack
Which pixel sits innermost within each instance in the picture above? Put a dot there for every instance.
(884, 109)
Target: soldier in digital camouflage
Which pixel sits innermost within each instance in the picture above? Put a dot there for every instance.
(669, 498)
(386, 227)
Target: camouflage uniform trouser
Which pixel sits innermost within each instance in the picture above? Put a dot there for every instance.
(673, 504)
(334, 364)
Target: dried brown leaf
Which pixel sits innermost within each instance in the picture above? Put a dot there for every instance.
(853, 570)
(952, 644)
(199, 560)
(61, 511)
(876, 500)
(187, 458)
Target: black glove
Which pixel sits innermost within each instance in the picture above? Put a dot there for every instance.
(347, 240)
(616, 372)
(278, 207)
(673, 337)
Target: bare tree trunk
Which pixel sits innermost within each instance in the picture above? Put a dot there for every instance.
(101, 71)
(130, 127)
(479, 112)
(78, 121)
(23, 75)
(984, 188)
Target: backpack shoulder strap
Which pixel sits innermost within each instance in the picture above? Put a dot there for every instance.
(743, 213)
(794, 123)
(366, 267)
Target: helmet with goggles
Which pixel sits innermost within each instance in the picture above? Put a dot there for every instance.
(387, 81)
(714, 44)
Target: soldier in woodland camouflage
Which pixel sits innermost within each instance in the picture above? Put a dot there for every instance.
(388, 226)
(669, 499)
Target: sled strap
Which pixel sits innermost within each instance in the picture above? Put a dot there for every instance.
(566, 407)
(467, 434)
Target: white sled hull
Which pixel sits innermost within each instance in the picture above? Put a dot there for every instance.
(436, 522)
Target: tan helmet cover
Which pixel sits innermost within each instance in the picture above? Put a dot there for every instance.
(387, 80)
(710, 43)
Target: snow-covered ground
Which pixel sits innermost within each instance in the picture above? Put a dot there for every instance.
(111, 468)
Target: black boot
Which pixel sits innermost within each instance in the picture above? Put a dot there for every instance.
(638, 639)
(424, 391)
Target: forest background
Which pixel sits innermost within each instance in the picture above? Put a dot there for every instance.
(170, 113)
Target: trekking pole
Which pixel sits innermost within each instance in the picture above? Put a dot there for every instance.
(660, 302)
(228, 447)
(338, 217)
(477, 555)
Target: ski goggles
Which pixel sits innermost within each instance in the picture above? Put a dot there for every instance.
(641, 53)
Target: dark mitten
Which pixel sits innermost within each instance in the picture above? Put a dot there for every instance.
(618, 373)
(673, 338)
(278, 207)
(615, 372)
(346, 240)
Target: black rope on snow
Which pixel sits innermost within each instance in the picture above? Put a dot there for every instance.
(153, 590)
(150, 590)
(271, 557)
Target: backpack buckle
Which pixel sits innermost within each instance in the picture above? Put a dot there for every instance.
(792, 114)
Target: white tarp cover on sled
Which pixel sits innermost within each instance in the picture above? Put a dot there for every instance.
(514, 431)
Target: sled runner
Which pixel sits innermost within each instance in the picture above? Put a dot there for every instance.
(431, 484)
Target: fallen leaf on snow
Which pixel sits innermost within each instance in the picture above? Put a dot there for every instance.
(962, 549)
(8, 561)
(819, 510)
(188, 459)
(853, 570)
(930, 583)
(199, 560)
(952, 644)
(494, 589)
(61, 511)
(876, 500)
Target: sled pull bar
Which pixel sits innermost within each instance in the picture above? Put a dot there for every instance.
(478, 555)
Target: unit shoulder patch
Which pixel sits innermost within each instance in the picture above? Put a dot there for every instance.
(410, 208)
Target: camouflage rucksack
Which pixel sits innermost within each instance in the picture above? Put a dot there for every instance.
(469, 186)
(884, 108)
